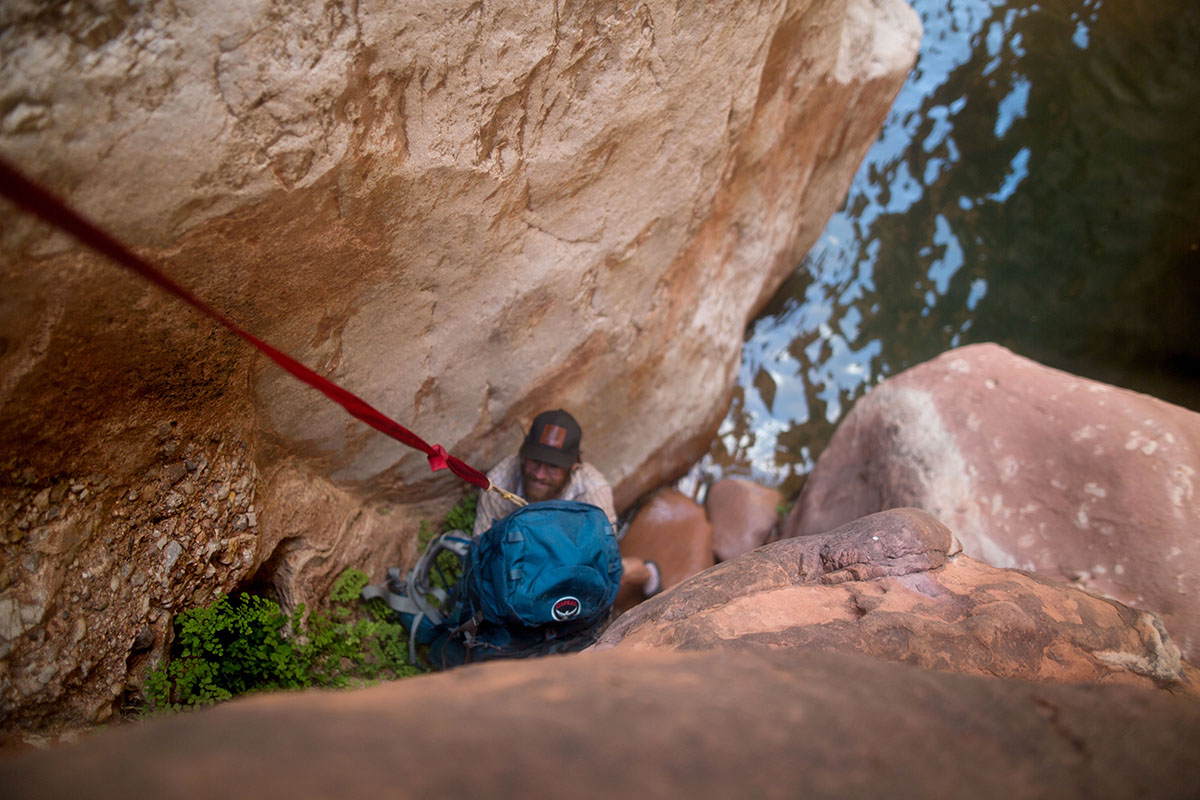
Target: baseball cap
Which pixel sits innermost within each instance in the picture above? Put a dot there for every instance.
(554, 438)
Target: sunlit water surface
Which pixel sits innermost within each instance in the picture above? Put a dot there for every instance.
(1036, 184)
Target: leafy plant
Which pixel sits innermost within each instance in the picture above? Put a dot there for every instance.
(246, 643)
(448, 568)
(462, 516)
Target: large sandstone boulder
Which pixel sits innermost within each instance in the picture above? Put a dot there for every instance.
(657, 725)
(671, 530)
(893, 586)
(1031, 468)
(463, 212)
(744, 515)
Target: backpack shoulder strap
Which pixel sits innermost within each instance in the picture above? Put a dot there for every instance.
(412, 600)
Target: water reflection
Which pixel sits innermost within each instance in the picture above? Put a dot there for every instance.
(1035, 184)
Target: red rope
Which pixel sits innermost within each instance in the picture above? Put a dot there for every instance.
(37, 200)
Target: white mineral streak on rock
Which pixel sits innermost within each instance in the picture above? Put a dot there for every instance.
(960, 366)
(877, 40)
(1086, 432)
(1163, 661)
(930, 449)
(1139, 441)
(1179, 489)
(1008, 468)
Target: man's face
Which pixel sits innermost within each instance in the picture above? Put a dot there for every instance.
(543, 481)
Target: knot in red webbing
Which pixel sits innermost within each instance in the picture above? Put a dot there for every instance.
(437, 458)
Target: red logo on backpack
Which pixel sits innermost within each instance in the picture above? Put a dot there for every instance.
(565, 608)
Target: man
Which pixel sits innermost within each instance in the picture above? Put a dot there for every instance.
(550, 466)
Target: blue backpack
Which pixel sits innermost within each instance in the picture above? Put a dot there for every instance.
(539, 581)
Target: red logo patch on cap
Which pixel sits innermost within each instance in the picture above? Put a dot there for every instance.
(553, 436)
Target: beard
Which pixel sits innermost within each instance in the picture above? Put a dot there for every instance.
(538, 489)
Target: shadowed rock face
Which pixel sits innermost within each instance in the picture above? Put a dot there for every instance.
(1032, 468)
(719, 725)
(463, 216)
(891, 585)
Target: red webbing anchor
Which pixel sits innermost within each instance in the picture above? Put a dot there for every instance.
(33, 198)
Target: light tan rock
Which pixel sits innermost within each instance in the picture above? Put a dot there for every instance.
(464, 213)
(1032, 468)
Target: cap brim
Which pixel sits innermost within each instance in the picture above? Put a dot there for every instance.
(558, 458)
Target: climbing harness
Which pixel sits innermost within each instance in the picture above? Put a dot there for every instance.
(33, 198)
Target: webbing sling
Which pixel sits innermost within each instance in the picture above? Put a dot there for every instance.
(34, 198)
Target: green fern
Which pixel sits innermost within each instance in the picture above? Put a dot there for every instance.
(246, 643)
(462, 516)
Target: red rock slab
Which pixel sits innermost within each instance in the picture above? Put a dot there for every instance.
(743, 516)
(892, 586)
(672, 530)
(650, 725)
(1032, 468)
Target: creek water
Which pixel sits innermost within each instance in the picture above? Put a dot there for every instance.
(1036, 184)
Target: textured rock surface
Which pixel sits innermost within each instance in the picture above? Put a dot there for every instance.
(673, 531)
(743, 515)
(890, 586)
(1031, 468)
(464, 213)
(652, 725)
